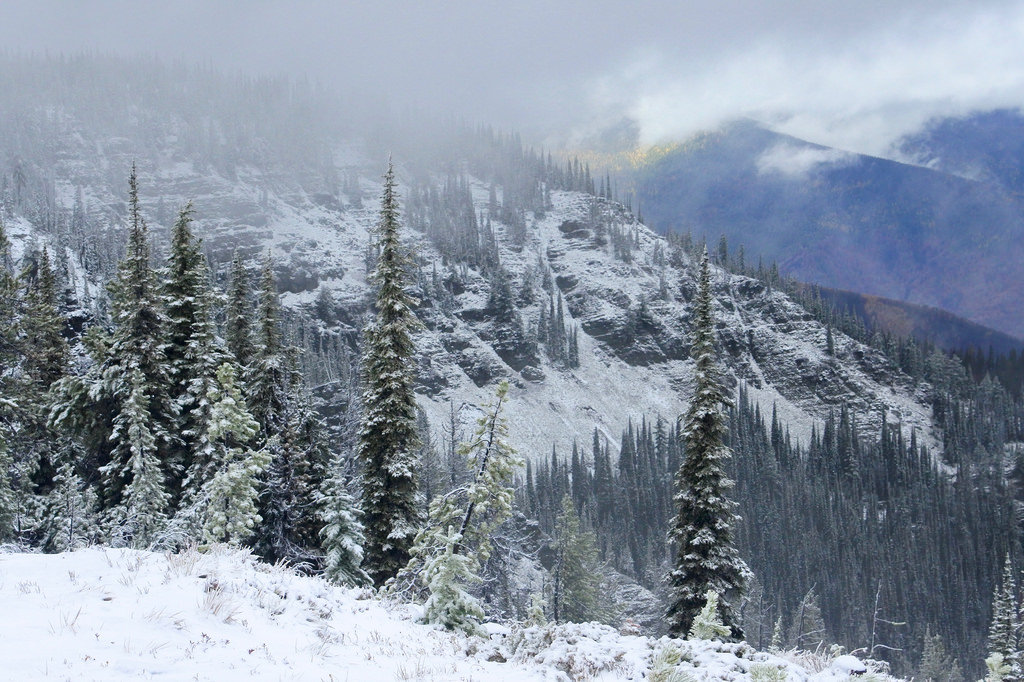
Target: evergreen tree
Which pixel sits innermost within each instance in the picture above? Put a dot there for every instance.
(708, 624)
(142, 512)
(134, 370)
(342, 534)
(447, 575)
(577, 586)
(192, 349)
(705, 556)
(237, 330)
(289, 430)
(485, 502)
(936, 665)
(70, 520)
(1004, 635)
(45, 359)
(808, 628)
(387, 442)
(231, 493)
(270, 374)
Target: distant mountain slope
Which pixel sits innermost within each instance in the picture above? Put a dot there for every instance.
(942, 328)
(848, 221)
(986, 146)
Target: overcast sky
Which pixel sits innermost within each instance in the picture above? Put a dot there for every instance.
(855, 74)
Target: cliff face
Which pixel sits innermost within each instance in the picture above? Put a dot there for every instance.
(624, 294)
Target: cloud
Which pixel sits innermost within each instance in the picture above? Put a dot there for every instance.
(799, 160)
(860, 91)
(849, 74)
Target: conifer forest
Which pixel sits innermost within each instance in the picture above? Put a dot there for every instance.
(451, 367)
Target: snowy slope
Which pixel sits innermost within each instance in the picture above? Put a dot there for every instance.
(102, 614)
(318, 241)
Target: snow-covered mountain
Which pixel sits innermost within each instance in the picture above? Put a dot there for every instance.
(319, 241)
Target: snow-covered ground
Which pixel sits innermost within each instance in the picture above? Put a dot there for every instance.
(104, 614)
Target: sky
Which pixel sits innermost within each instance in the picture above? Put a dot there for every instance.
(856, 74)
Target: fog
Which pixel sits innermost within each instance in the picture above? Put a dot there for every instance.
(849, 74)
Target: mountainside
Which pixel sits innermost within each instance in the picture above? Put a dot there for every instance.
(940, 327)
(633, 353)
(947, 235)
(848, 468)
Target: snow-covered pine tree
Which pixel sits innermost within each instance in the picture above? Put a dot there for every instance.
(43, 359)
(387, 443)
(1004, 635)
(270, 374)
(576, 596)
(192, 349)
(142, 513)
(70, 520)
(447, 575)
(485, 502)
(475, 510)
(135, 365)
(708, 624)
(237, 327)
(705, 555)
(273, 383)
(342, 533)
(230, 495)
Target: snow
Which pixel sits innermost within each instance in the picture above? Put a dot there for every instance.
(104, 614)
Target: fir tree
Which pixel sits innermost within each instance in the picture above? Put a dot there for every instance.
(237, 330)
(387, 442)
(70, 520)
(342, 534)
(447, 575)
(45, 359)
(705, 556)
(193, 351)
(134, 365)
(142, 514)
(1004, 635)
(231, 514)
(577, 594)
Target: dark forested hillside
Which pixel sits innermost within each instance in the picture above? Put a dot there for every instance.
(854, 222)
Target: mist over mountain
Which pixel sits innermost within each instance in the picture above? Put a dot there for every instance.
(946, 233)
(870, 468)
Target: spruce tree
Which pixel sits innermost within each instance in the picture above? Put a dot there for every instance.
(70, 517)
(142, 513)
(706, 558)
(387, 443)
(237, 328)
(192, 349)
(288, 430)
(342, 533)
(577, 596)
(134, 369)
(1004, 635)
(231, 492)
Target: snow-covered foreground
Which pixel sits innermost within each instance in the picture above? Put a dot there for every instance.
(103, 614)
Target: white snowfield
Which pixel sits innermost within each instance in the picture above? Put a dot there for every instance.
(221, 615)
